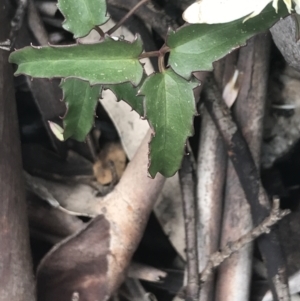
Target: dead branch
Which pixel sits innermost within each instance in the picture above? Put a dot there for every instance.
(211, 177)
(187, 182)
(244, 165)
(265, 227)
(248, 112)
(212, 162)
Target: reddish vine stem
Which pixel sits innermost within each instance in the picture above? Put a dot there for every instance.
(149, 54)
(100, 31)
(161, 63)
(163, 50)
(160, 54)
(126, 17)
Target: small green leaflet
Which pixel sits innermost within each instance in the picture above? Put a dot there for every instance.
(82, 15)
(81, 100)
(170, 107)
(129, 94)
(196, 47)
(107, 62)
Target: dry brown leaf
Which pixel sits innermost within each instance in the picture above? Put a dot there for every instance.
(111, 163)
(76, 269)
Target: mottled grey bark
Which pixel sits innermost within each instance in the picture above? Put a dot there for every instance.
(284, 34)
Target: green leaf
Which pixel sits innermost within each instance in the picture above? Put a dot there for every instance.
(107, 62)
(129, 94)
(82, 15)
(196, 47)
(81, 100)
(170, 107)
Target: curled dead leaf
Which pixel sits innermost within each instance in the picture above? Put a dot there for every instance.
(77, 266)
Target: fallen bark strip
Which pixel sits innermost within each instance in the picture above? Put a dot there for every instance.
(244, 165)
(234, 276)
(187, 182)
(16, 279)
(123, 215)
(265, 227)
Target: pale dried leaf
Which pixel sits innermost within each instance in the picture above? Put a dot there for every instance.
(231, 90)
(57, 130)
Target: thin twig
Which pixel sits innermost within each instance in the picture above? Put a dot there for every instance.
(187, 182)
(244, 165)
(126, 17)
(265, 227)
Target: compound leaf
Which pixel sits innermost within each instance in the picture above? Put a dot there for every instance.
(196, 47)
(170, 107)
(82, 15)
(107, 62)
(81, 100)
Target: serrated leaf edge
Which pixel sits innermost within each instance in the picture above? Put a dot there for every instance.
(66, 103)
(75, 36)
(136, 38)
(233, 49)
